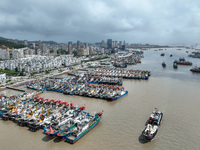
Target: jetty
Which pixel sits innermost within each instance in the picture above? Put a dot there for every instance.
(13, 88)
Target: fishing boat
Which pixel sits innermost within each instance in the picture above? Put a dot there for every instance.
(83, 127)
(175, 65)
(153, 124)
(182, 61)
(164, 64)
(58, 118)
(162, 54)
(66, 118)
(195, 69)
(120, 65)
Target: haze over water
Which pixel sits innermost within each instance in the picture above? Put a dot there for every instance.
(174, 92)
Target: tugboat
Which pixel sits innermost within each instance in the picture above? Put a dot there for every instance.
(153, 123)
(195, 69)
(164, 64)
(163, 54)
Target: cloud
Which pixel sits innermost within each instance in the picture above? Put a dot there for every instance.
(144, 21)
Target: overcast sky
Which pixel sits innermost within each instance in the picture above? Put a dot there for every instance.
(135, 21)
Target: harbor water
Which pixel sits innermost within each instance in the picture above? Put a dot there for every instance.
(174, 91)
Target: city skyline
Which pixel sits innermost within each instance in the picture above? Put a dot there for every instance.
(162, 22)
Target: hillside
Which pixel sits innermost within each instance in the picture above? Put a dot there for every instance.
(9, 44)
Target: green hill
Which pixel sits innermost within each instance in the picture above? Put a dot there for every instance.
(9, 44)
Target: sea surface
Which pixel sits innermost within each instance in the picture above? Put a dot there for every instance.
(176, 92)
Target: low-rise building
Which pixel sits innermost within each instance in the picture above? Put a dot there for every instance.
(2, 76)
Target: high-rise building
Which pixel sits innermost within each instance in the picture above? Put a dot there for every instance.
(90, 50)
(70, 48)
(78, 44)
(103, 44)
(86, 44)
(115, 43)
(124, 46)
(33, 45)
(109, 43)
(120, 44)
(80, 52)
(44, 49)
(25, 43)
(40, 44)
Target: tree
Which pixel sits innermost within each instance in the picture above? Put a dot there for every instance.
(16, 69)
(75, 53)
(51, 51)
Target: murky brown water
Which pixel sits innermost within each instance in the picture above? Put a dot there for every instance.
(123, 120)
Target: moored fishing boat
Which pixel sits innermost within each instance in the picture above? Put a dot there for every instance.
(68, 119)
(63, 118)
(81, 128)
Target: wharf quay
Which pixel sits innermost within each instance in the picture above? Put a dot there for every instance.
(16, 85)
(21, 90)
(17, 89)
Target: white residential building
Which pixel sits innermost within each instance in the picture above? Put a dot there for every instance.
(2, 76)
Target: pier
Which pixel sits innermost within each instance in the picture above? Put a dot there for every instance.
(17, 89)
